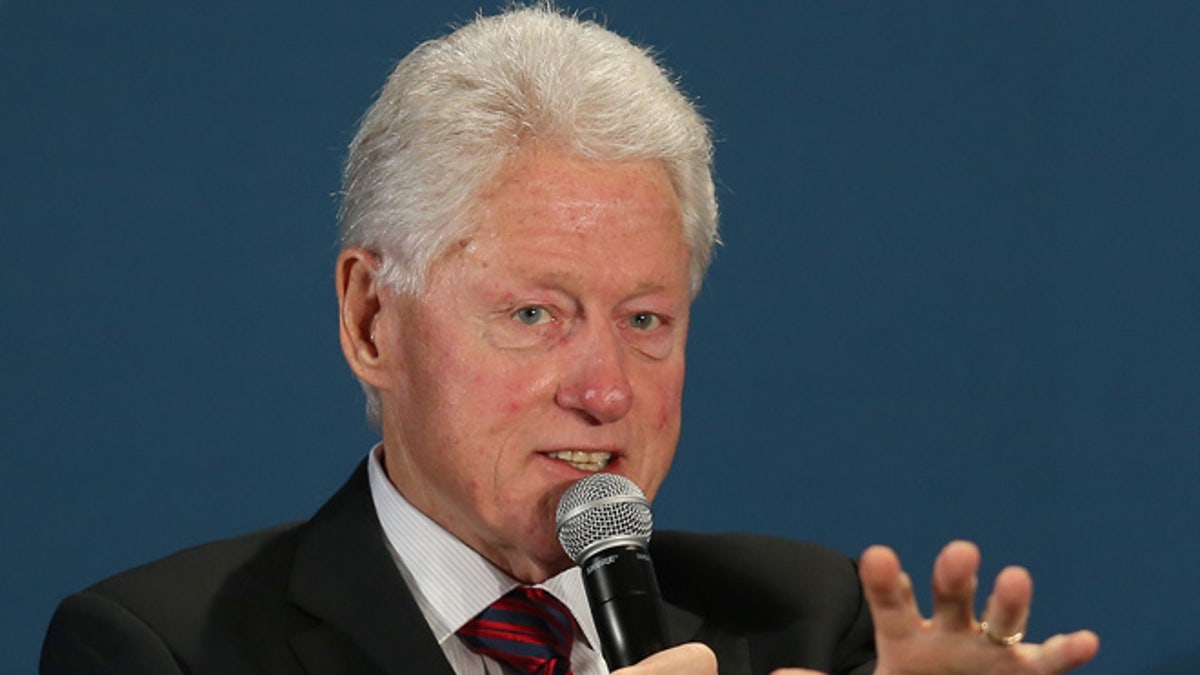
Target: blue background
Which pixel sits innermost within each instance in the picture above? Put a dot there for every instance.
(959, 295)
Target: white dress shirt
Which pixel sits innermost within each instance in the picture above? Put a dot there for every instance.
(452, 583)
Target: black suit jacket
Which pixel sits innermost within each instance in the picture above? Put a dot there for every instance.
(325, 598)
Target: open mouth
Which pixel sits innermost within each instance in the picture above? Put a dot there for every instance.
(583, 460)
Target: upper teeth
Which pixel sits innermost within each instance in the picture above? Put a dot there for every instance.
(586, 461)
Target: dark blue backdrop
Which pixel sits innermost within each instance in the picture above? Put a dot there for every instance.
(959, 296)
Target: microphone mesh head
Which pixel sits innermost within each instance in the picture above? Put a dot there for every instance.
(599, 508)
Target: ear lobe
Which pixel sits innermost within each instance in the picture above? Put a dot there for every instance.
(360, 309)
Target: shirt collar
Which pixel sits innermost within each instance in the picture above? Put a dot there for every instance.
(449, 580)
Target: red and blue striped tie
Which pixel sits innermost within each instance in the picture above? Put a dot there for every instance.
(527, 630)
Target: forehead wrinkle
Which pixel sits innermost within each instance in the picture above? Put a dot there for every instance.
(562, 197)
(550, 213)
(583, 216)
(565, 275)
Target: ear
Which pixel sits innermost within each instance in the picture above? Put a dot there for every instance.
(360, 313)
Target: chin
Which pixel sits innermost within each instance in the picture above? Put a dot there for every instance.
(540, 562)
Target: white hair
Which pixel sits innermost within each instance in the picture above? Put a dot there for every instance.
(457, 107)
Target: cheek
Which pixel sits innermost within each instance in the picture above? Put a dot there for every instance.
(525, 385)
(665, 418)
(670, 401)
(501, 392)
(514, 395)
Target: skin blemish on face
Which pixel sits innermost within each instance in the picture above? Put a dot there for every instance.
(466, 249)
(668, 413)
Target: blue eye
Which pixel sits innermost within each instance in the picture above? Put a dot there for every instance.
(533, 315)
(645, 321)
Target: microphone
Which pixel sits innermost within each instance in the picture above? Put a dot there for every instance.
(604, 525)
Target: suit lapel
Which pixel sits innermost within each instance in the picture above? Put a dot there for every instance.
(345, 576)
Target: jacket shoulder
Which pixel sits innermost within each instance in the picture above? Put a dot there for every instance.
(174, 609)
(194, 574)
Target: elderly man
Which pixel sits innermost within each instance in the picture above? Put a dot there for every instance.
(528, 214)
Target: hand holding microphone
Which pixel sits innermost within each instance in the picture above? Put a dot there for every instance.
(693, 658)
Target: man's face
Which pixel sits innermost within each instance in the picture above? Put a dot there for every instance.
(547, 345)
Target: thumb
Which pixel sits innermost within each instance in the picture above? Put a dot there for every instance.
(693, 658)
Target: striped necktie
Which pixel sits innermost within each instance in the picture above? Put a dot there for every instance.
(528, 630)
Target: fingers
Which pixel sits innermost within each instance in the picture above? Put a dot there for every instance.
(954, 582)
(693, 658)
(1007, 611)
(950, 640)
(1064, 652)
(889, 593)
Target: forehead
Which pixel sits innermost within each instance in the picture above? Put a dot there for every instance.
(553, 219)
(540, 186)
(555, 205)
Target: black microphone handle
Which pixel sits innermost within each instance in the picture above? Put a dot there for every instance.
(626, 605)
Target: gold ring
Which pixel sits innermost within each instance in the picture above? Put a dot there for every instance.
(1002, 640)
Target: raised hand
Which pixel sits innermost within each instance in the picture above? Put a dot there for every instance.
(952, 640)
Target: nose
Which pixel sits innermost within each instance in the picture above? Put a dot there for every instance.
(595, 383)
